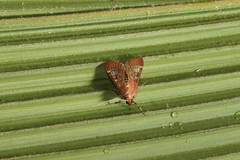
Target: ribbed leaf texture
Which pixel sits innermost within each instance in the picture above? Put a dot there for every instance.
(54, 92)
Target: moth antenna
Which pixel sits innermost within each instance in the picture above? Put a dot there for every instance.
(139, 107)
(144, 83)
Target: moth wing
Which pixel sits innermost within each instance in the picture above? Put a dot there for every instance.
(134, 69)
(116, 72)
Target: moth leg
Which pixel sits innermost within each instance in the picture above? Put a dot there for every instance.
(139, 107)
(119, 101)
(167, 106)
(116, 102)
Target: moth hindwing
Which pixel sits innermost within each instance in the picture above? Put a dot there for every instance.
(126, 78)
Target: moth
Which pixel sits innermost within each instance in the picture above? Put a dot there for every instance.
(126, 78)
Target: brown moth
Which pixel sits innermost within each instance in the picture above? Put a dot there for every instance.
(126, 78)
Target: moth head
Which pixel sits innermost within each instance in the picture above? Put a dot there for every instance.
(129, 101)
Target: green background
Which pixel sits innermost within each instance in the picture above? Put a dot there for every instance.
(54, 90)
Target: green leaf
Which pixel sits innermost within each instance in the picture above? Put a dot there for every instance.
(55, 96)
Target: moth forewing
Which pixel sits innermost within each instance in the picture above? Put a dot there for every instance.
(134, 68)
(126, 79)
(137, 69)
(115, 71)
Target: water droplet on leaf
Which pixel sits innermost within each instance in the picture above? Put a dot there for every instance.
(174, 114)
(106, 151)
